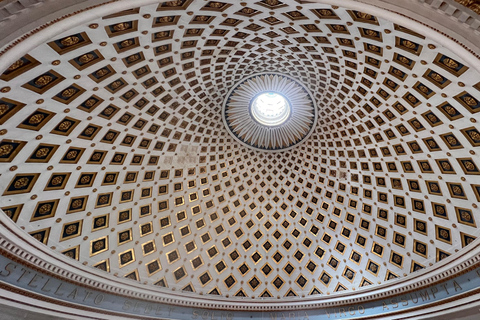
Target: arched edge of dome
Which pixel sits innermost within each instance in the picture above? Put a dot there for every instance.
(13, 244)
(10, 52)
(468, 55)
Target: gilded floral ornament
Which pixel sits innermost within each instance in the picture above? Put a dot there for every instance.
(70, 41)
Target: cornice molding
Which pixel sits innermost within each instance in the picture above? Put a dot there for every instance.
(17, 15)
(40, 17)
(25, 250)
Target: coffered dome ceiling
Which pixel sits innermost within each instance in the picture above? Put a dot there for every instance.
(114, 151)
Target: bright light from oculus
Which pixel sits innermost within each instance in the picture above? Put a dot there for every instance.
(270, 109)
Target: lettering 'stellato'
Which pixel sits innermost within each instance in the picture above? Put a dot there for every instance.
(16, 275)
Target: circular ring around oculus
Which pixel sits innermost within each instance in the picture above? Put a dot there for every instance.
(269, 112)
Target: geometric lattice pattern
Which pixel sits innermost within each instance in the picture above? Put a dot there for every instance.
(113, 150)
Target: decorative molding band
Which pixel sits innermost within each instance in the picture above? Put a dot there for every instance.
(10, 9)
(457, 11)
(40, 268)
(40, 28)
(473, 5)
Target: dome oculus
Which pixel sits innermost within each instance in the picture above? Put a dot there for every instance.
(269, 112)
(270, 109)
